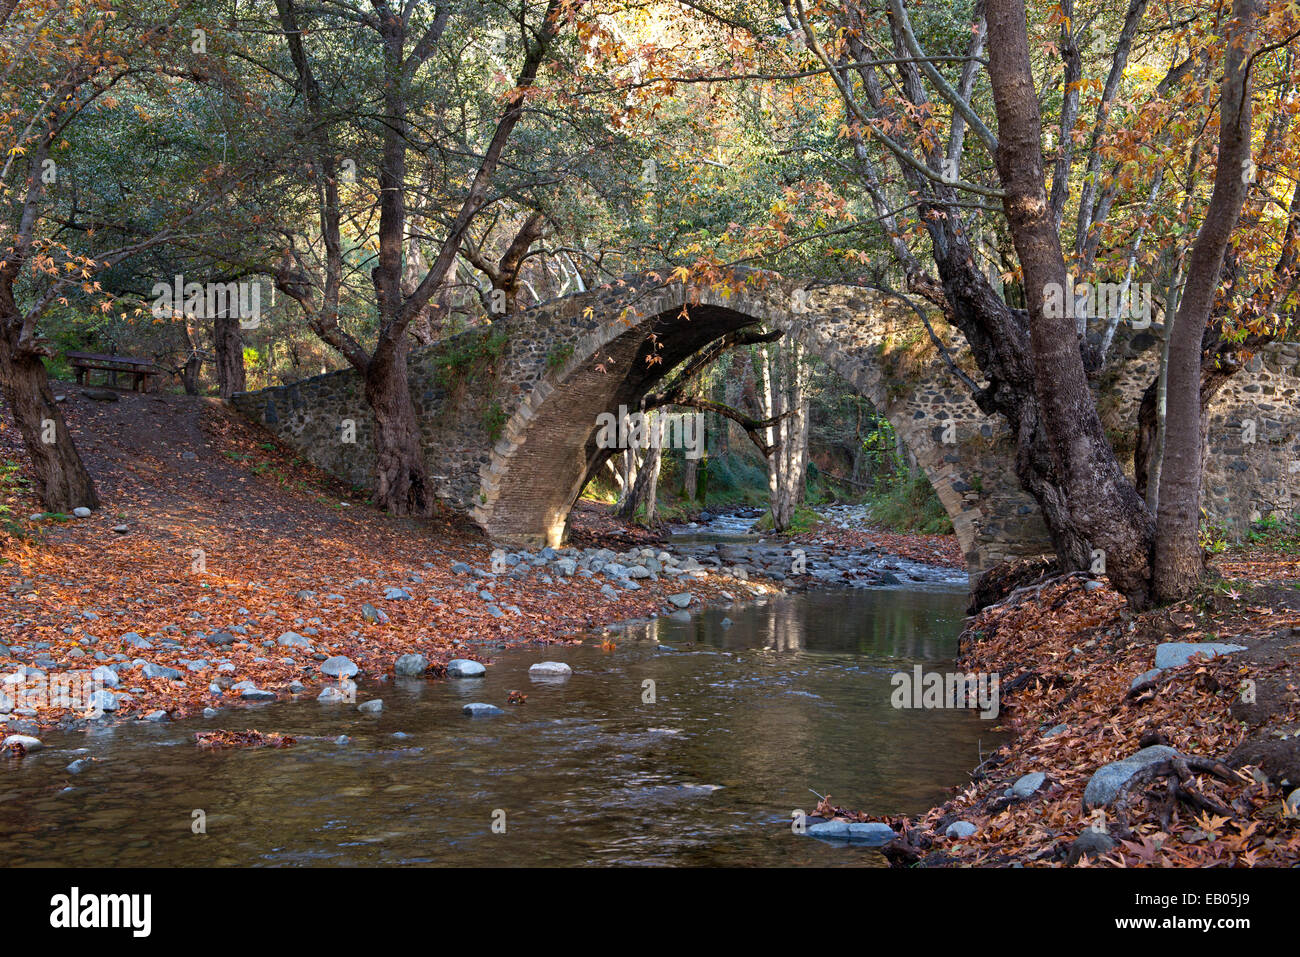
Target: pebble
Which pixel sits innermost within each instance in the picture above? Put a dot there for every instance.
(374, 706)
(478, 709)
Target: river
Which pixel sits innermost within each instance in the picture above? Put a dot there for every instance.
(750, 710)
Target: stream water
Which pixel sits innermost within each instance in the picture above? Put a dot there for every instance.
(752, 707)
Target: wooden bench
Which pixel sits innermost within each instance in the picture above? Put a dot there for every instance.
(141, 370)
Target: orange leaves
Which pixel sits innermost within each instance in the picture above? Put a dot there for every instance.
(221, 740)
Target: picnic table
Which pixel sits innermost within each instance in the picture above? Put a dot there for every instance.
(141, 370)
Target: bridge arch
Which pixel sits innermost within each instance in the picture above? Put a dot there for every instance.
(549, 450)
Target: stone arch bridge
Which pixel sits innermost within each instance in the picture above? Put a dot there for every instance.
(510, 411)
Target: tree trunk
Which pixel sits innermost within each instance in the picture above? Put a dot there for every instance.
(1179, 563)
(1098, 502)
(782, 393)
(228, 345)
(190, 373)
(646, 486)
(402, 485)
(689, 473)
(64, 482)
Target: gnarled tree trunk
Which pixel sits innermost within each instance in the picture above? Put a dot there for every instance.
(64, 482)
(402, 485)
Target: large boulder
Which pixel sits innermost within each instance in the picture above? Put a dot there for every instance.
(1103, 787)
(1173, 654)
(866, 832)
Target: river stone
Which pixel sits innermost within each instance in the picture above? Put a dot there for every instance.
(868, 832)
(412, 666)
(221, 638)
(81, 512)
(210, 712)
(291, 639)
(132, 640)
(257, 694)
(566, 566)
(79, 765)
(105, 676)
(339, 667)
(1145, 676)
(29, 743)
(1293, 803)
(1090, 844)
(332, 695)
(373, 706)
(1027, 784)
(960, 830)
(103, 699)
(1106, 781)
(397, 594)
(152, 670)
(1172, 654)
(549, 669)
(1055, 730)
(681, 599)
(478, 709)
(158, 715)
(465, 668)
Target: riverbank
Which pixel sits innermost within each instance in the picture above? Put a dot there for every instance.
(222, 569)
(1080, 691)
